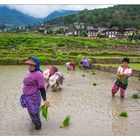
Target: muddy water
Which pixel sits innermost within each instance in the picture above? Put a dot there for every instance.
(93, 111)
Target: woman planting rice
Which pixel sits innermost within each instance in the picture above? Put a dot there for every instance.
(48, 73)
(85, 63)
(70, 65)
(34, 84)
(123, 73)
(56, 81)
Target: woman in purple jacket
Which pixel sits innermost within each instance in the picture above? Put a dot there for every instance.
(33, 89)
(85, 63)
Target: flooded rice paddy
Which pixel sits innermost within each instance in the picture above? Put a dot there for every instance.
(92, 109)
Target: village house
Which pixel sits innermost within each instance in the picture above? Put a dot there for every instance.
(129, 31)
(101, 32)
(111, 33)
(42, 30)
(92, 32)
(70, 31)
(79, 28)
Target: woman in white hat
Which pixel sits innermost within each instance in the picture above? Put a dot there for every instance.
(56, 80)
(48, 73)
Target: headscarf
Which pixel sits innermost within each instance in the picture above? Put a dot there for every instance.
(37, 66)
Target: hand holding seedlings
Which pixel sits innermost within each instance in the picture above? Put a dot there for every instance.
(47, 103)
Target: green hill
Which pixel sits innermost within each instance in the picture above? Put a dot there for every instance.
(119, 15)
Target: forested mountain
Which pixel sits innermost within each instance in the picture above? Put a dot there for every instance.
(118, 15)
(15, 17)
(61, 13)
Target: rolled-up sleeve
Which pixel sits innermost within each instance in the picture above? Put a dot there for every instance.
(129, 72)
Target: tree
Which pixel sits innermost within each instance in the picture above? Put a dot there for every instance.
(49, 31)
(119, 15)
(60, 31)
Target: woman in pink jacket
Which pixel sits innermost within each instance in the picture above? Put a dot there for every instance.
(123, 73)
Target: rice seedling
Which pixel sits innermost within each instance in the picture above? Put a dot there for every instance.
(93, 73)
(135, 96)
(123, 114)
(94, 84)
(44, 111)
(65, 122)
(83, 75)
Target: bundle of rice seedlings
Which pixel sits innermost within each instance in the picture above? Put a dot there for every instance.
(123, 80)
(44, 111)
(123, 114)
(65, 122)
(135, 96)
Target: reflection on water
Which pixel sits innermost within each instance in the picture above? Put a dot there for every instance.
(119, 125)
(92, 109)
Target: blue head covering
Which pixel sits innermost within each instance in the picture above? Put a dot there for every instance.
(37, 66)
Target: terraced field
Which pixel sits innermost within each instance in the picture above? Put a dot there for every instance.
(15, 48)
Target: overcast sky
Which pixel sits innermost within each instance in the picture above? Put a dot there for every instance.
(41, 11)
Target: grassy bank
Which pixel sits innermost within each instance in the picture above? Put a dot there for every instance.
(135, 66)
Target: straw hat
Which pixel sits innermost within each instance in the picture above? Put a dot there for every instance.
(30, 62)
